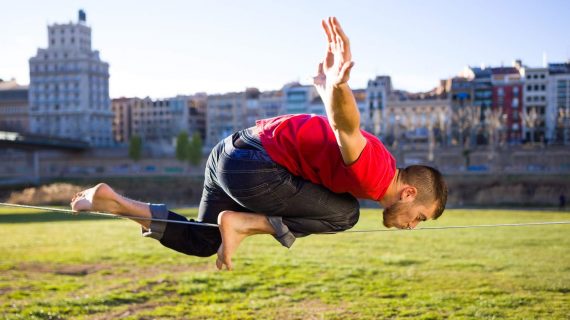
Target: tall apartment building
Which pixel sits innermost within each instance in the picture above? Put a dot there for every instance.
(69, 87)
(535, 102)
(508, 98)
(376, 99)
(558, 111)
(14, 107)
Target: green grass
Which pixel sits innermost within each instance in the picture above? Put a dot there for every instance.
(55, 266)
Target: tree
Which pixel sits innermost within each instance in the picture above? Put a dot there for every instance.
(195, 149)
(182, 146)
(135, 148)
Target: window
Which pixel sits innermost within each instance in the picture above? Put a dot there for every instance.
(529, 88)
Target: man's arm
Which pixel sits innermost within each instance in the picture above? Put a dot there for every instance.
(332, 84)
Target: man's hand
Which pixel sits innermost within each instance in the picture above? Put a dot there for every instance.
(338, 59)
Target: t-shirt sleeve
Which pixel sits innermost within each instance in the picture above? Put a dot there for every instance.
(373, 171)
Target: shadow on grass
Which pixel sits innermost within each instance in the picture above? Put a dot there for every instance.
(46, 217)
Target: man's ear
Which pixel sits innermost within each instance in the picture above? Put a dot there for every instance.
(409, 193)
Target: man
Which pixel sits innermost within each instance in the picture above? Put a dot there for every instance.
(291, 176)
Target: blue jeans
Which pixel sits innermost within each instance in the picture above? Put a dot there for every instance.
(245, 179)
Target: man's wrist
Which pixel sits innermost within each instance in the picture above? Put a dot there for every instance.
(342, 85)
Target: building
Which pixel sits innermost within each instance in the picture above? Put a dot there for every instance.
(299, 98)
(474, 122)
(122, 121)
(14, 107)
(196, 122)
(224, 116)
(376, 99)
(418, 118)
(507, 99)
(158, 121)
(69, 87)
(252, 110)
(534, 110)
(558, 110)
(271, 103)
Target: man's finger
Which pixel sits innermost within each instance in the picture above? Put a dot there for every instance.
(320, 69)
(327, 32)
(331, 28)
(338, 30)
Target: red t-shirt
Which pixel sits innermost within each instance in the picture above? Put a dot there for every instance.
(307, 147)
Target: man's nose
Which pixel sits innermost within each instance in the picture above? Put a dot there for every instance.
(413, 224)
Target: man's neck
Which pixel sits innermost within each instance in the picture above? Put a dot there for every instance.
(391, 195)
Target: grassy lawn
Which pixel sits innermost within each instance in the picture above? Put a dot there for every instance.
(55, 266)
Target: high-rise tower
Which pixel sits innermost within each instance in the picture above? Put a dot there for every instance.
(69, 87)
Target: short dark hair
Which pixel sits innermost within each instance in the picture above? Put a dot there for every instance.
(430, 184)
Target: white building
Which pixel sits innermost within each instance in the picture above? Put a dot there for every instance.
(69, 87)
(535, 107)
(377, 93)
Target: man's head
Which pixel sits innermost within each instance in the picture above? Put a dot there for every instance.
(422, 196)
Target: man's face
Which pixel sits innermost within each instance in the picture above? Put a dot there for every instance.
(407, 214)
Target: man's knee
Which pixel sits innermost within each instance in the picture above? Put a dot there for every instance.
(349, 217)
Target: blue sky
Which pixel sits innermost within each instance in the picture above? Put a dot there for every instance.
(164, 48)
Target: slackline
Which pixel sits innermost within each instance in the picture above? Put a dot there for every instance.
(111, 215)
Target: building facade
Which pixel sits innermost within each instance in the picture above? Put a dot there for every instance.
(376, 99)
(507, 99)
(69, 87)
(225, 115)
(298, 98)
(14, 107)
(558, 110)
(535, 102)
(417, 119)
(160, 120)
(271, 103)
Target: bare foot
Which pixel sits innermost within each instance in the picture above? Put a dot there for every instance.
(98, 198)
(230, 223)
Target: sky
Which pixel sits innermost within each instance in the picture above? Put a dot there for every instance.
(165, 48)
